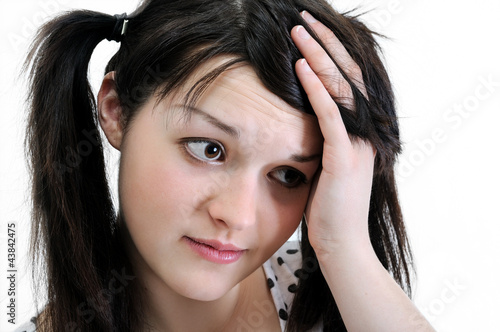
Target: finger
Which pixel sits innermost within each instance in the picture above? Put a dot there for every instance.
(330, 121)
(312, 192)
(337, 50)
(321, 63)
(333, 45)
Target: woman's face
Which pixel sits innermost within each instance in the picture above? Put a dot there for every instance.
(208, 198)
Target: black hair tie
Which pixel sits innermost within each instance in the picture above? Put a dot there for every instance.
(120, 27)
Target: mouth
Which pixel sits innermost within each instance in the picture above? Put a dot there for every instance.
(214, 251)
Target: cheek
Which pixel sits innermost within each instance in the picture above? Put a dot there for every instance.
(287, 210)
(146, 190)
(291, 203)
(152, 193)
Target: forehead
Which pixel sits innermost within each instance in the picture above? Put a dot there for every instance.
(239, 98)
(242, 85)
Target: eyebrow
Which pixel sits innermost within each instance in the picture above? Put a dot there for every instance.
(230, 130)
(305, 159)
(235, 133)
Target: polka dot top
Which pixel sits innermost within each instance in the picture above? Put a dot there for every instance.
(281, 270)
(28, 326)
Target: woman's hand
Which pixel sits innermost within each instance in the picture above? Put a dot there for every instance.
(337, 211)
(367, 296)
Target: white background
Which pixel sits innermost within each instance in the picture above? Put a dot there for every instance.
(440, 54)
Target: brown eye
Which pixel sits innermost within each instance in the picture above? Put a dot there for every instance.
(212, 151)
(206, 150)
(288, 177)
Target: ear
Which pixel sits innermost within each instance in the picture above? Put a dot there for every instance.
(110, 111)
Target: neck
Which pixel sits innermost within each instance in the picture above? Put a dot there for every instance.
(170, 312)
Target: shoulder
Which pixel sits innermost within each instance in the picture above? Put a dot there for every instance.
(281, 273)
(286, 264)
(27, 326)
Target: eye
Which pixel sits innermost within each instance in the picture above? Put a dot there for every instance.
(205, 150)
(288, 177)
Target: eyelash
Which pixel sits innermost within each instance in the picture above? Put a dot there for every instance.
(301, 178)
(186, 142)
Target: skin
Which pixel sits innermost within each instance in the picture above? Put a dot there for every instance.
(337, 213)
(166, 195)
(169, 190)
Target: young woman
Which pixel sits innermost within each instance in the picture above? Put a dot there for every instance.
(235, 120)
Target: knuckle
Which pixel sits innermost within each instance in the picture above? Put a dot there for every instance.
(343, 90)
(320, 56)
(326, 35)
(316, 87)
(354, 72)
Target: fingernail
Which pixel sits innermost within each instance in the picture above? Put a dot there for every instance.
(308, 17)
(303, 33)
(304, 63)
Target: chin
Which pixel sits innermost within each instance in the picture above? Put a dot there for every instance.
(205, 289)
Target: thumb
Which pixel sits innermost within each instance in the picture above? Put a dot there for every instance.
(312, 193)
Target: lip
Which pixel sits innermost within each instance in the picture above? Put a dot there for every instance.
(215, 251)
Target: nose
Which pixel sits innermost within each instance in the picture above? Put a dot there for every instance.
(235, 204)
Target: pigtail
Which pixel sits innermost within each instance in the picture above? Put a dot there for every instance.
(73, 215)
(75, 233)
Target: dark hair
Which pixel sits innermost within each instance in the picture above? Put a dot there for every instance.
(75, 227)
